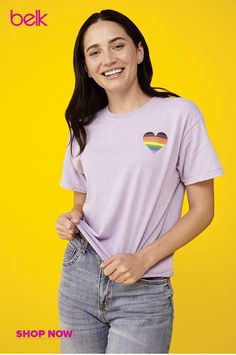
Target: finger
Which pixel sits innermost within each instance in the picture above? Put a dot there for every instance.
(76, 214)
(75, 219)
(121, 279)
(115, 275)
(65, 224)
(65, 236)
(65, 220)
(110, 269)
(69, 224)
(62, 229)
(107, 261)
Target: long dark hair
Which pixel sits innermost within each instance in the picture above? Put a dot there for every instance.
(88, 97)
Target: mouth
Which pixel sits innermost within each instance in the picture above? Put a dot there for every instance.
(113, 73)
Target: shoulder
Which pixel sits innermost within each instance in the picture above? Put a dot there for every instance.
(182, 111)
(182, 105)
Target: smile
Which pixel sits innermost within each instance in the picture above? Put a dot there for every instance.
(114, 72)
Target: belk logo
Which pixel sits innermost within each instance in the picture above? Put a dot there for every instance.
(28, 19)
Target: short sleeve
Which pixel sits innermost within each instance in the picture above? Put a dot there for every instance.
(73, 177)
(198, 160)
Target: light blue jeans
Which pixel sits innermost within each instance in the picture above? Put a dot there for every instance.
(108, 317)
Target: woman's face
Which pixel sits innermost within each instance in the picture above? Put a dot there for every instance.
(106, 47)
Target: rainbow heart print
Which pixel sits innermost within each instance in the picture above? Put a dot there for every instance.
(155, 142)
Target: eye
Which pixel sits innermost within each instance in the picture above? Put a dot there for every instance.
(119, 46)
(92, 53)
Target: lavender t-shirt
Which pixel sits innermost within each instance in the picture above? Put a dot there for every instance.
(134, 169)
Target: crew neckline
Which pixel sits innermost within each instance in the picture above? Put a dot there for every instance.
(114, 116)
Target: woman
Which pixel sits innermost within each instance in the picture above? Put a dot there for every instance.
(133, 152)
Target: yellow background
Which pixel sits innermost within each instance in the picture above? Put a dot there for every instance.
(192, 48)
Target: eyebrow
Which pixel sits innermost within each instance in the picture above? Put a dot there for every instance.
(112, 40)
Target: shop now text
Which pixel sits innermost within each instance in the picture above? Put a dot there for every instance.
(40, 333)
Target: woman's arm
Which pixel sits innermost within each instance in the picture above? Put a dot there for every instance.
(79, 199)
(201, 212)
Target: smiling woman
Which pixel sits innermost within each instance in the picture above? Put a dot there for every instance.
(133, 151)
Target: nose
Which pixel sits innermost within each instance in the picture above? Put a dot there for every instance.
(108, 58)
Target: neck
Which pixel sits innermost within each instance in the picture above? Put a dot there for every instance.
(122, 102)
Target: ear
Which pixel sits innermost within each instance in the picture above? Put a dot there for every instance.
(140, 53)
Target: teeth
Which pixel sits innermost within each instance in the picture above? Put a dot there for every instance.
(118, 70)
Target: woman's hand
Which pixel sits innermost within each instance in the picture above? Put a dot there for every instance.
(65, 224)
(124, 268)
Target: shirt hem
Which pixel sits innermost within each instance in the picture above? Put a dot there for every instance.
(203, 177)
(72, 187)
